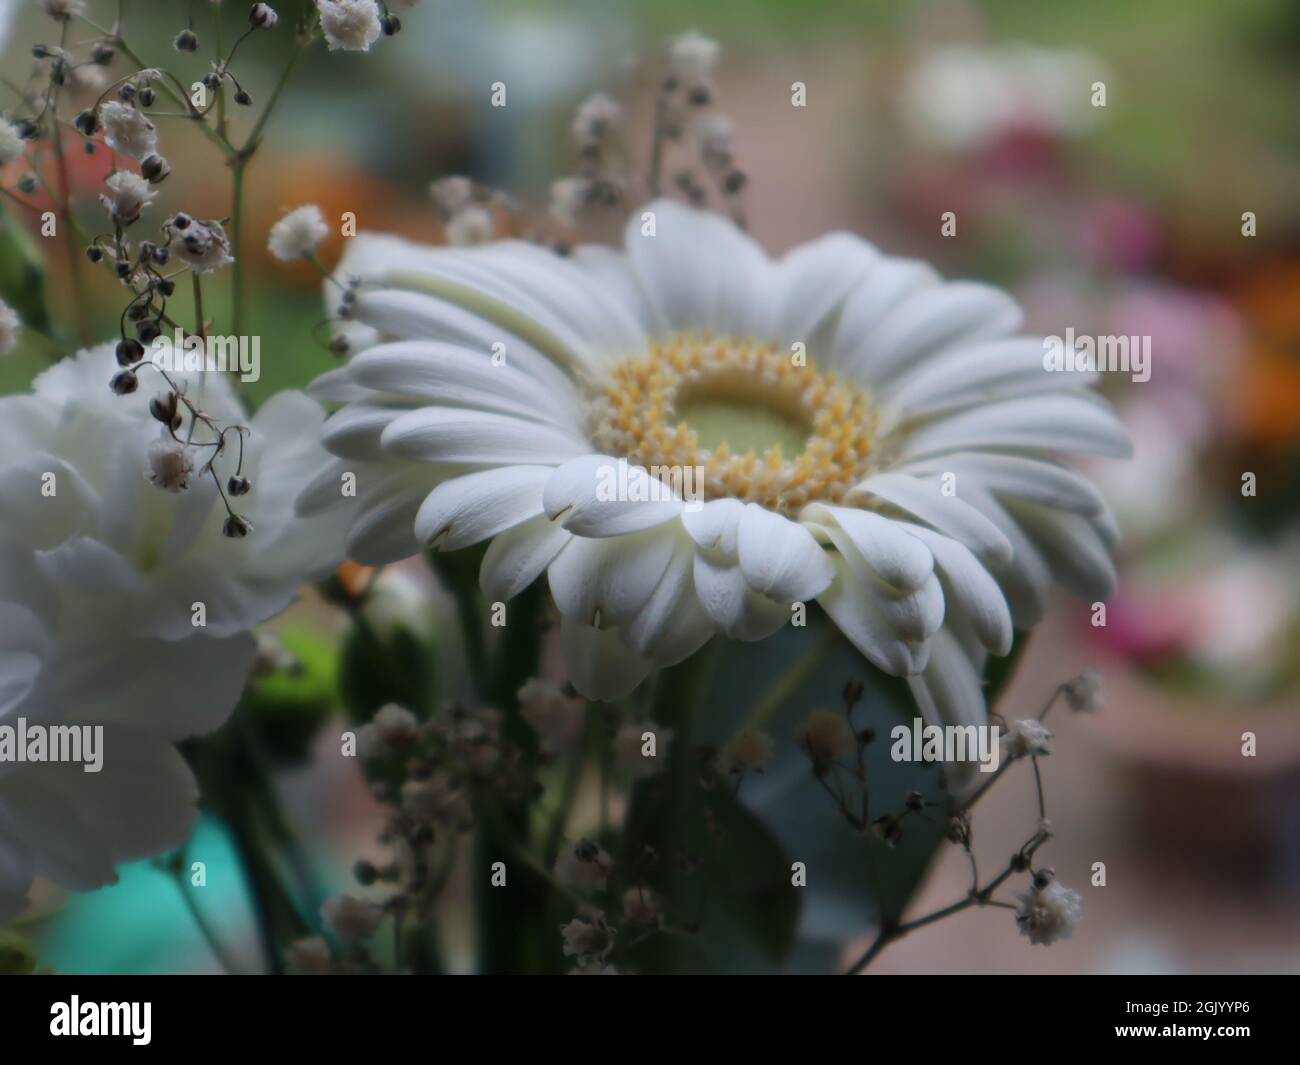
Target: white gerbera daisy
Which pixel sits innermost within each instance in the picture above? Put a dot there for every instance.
(298, 234)
(349, 25)
(870, 437)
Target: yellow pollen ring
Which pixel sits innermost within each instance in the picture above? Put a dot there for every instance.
(638, 414)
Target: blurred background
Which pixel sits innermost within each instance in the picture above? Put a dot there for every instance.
(1119, 219)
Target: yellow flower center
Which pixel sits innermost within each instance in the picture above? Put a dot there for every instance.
(765, 426)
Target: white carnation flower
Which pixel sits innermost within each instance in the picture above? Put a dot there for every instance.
(1049, 913)
(349, 25)
(127, 130)
(12, 145)
(73, 663)
(298, 234)
(130, 194)
(109, 531)
(869, 436)
(10, 328)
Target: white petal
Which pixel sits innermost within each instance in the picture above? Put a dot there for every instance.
(780, 558)
(519, 556)
(1079, 557)
(605, 582)
(884, 544)
(739, 611)
(698, 271)
(855, 607)
(715, 527)
(672, 625)
(441, 434)
(933, 319)
(1058, 421)
(810, 283)
(971, 588)
(949, 692)
(1033, 480)
(451, 375)
(948, 514)
(31, 516)
(1026, 579)
(468, 509)
(599, 495)
(599, 662)
(978, 373)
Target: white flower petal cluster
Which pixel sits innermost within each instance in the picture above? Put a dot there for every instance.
(1049, 913)
(298, 234)
(129, 194)
(10, 328)
(349, 25)
(127, 130)
(869, 436)
(204, 246)
(70, 662)
(108, 530)
(12, 145)
(109, 538)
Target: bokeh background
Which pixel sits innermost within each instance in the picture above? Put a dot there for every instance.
(1123, 219)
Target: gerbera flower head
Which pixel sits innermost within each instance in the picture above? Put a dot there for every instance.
(688, 438)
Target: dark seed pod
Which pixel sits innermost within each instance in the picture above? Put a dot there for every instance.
(263, 16)
(243, 99)
(27, 183)
(124, 382)
(155, 168)
(163, 408)
(148, 331)
(102, 55)
(137, 311)
(391, 25)
(186, 41)
(123, 269)
(166, 286)
(212, 81)
(95, 253)
(239, 486)
(126, 92)
(181, 220)
(236, 527)
(147, 97)
(87, 122)
(128, 352)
